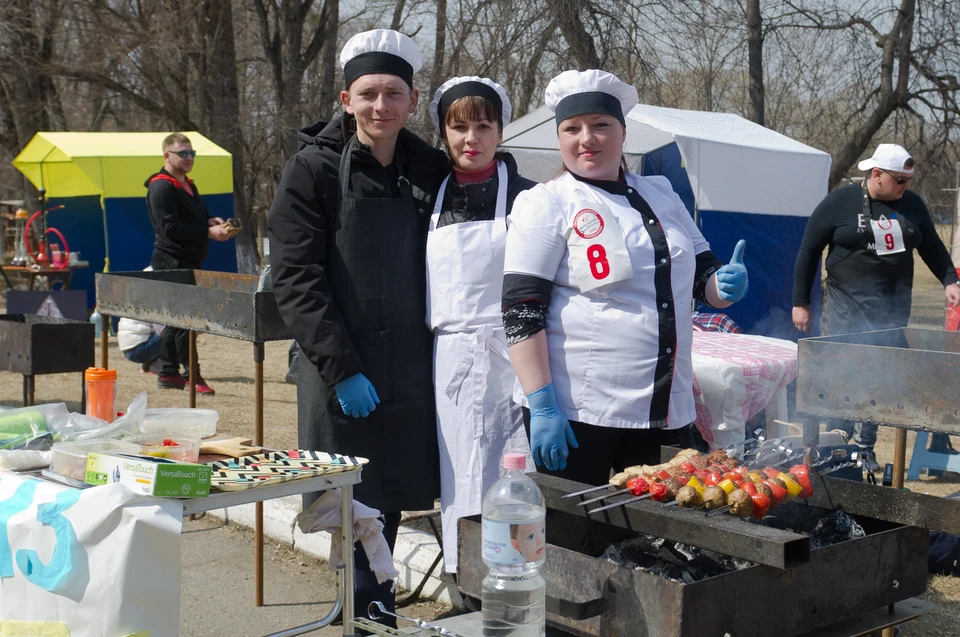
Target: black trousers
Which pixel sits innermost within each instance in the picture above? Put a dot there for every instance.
(175, 342)
(175, 351)
(604, 448)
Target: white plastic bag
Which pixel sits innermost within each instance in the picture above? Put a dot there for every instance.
(128, 423)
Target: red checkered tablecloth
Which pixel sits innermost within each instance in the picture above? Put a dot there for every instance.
(735, 377)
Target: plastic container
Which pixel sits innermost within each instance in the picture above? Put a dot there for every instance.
(514, 547)
(70, 458)
(186, 449)
(198, 423)
(101, 388)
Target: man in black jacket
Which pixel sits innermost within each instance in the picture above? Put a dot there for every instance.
(347, 232)
(183, 226)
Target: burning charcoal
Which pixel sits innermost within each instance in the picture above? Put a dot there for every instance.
(835, 528)
(737, 564)
(631, 552)
(671, 556)
(689, 552)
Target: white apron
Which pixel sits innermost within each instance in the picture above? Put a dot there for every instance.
(477, 420)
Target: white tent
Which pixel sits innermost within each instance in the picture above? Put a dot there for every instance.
(744, 180)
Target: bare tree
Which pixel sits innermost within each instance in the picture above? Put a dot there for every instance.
(222, 116)
(568, 17)
(284, 28)
(891, 87)
(755, 60)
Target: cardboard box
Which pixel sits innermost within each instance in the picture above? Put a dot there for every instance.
(149, 475)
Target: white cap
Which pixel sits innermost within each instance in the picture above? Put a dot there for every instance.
(380, 51)
(578, 92)
(892, 157)
(452, 90)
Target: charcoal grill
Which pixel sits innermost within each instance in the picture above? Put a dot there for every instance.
(792, 591)
(32, 345)
(218, 303)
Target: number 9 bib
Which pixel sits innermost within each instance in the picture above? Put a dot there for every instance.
(598, 254)
(887, 235)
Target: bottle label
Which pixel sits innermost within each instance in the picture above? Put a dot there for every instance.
(514, 542)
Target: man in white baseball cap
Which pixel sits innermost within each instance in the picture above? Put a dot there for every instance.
(872, 229)
(348, 229)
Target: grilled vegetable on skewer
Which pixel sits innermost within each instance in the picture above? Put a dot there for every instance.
(741, 504)
(620, 480)
(714, 498)
(635, 486)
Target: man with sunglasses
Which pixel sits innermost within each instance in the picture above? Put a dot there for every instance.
(872, 229)
(183, 226)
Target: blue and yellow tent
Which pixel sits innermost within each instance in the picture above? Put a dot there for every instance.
(98, 177)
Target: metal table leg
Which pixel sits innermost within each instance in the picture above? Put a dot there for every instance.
(28, 390)
(345, 581)
(346, 534)
(104, 341)
(899, 467)
(192, 369)
(258, 354)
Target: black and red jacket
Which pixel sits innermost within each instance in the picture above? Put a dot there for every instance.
(179, 220)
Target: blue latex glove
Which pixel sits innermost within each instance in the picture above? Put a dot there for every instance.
(550, 431)
(732, 280)
(357, 396)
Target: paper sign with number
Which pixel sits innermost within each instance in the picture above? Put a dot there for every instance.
(598, 255)
(888, 235)
(98, 562)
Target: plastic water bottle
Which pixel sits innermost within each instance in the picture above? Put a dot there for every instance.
(514, 547)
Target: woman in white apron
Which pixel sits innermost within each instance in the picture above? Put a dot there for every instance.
(477, 421)
(601, 268)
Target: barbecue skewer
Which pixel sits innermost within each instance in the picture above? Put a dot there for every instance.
(758, 439)
(855, 461)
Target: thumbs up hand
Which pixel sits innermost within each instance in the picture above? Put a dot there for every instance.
(732, 282)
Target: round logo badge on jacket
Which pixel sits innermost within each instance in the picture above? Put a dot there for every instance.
(587, 223)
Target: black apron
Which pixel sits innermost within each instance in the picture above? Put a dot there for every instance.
(376, 266)
(867, 291)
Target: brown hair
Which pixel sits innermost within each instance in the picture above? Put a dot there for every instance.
(472, 108)
(909, 163)
(173, 139)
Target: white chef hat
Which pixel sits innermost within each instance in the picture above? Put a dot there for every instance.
(593, 91)
(380, 51)
(452, 90)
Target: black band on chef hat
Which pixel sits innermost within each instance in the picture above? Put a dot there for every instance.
(465, 89)
(377, 62)
(592, 102)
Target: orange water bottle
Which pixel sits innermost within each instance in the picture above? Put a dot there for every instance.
(101, 387)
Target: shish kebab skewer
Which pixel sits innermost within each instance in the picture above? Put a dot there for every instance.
(716, 463)
(758, 492)
(620, 479)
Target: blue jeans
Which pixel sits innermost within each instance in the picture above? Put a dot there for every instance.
(147, 351)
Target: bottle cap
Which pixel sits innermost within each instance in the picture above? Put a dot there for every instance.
(515, 461)
(99, 373)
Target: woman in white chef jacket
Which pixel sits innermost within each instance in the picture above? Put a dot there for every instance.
(600, 271)
(477, 420)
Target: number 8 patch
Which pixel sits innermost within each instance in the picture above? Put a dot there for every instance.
(887, 235)
(598, 254)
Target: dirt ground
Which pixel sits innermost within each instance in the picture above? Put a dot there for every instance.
(227, 365)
